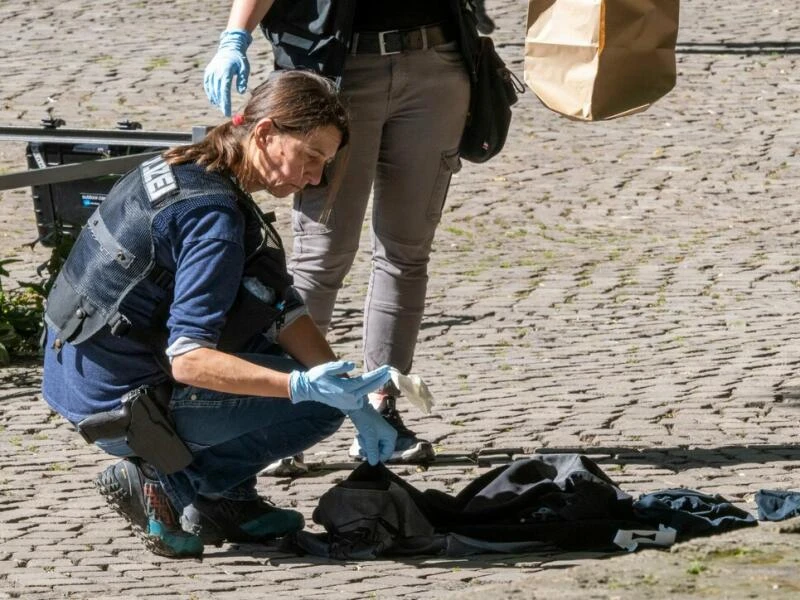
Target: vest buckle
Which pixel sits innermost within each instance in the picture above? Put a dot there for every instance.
(119, 325)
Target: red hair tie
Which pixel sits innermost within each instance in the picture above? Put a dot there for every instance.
(237, 119)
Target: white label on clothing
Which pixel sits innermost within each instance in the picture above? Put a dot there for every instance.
(630, 539)
(158, 179)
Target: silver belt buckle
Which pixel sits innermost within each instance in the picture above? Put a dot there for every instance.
(382, 42)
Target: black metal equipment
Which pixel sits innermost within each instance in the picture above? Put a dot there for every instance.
(72, 170)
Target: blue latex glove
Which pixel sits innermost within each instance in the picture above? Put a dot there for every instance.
(229, 60)
(323, 384)
(375, 436)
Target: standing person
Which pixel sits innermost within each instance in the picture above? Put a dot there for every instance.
(406, 84)
(176, 341)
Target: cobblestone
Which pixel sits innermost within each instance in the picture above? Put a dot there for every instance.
(625, 289)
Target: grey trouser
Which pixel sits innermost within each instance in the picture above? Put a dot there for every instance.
(407, 114)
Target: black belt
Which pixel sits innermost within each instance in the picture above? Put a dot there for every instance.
(401, 40)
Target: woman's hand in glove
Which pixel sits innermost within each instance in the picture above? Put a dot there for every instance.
(324, 384)
(376, 437)
(229, 61)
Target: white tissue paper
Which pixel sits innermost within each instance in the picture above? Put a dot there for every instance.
(414, 389)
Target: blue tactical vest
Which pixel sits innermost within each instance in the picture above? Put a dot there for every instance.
(115, 252)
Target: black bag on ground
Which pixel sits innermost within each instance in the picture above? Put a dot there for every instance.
(555, 500)
(371, 514)
(493, 94)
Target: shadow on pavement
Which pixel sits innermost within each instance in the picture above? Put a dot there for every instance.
(684, 458)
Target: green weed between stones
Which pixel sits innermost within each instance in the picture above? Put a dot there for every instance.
(157, 63)
(22, 306)
(739, 554)
(696, 567)
(20, 316)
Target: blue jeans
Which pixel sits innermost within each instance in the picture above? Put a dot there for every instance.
(234, 437)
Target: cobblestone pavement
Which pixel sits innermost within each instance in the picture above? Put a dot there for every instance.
(626, 289)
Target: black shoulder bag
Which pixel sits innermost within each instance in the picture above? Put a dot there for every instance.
(494, 91)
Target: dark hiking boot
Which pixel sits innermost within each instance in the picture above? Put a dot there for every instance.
(243, 521)
(142, 502)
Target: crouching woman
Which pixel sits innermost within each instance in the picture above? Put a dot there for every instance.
(175, 340)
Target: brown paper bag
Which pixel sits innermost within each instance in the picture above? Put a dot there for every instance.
(600, 59)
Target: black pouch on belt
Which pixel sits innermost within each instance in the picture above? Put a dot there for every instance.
(144, 423)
